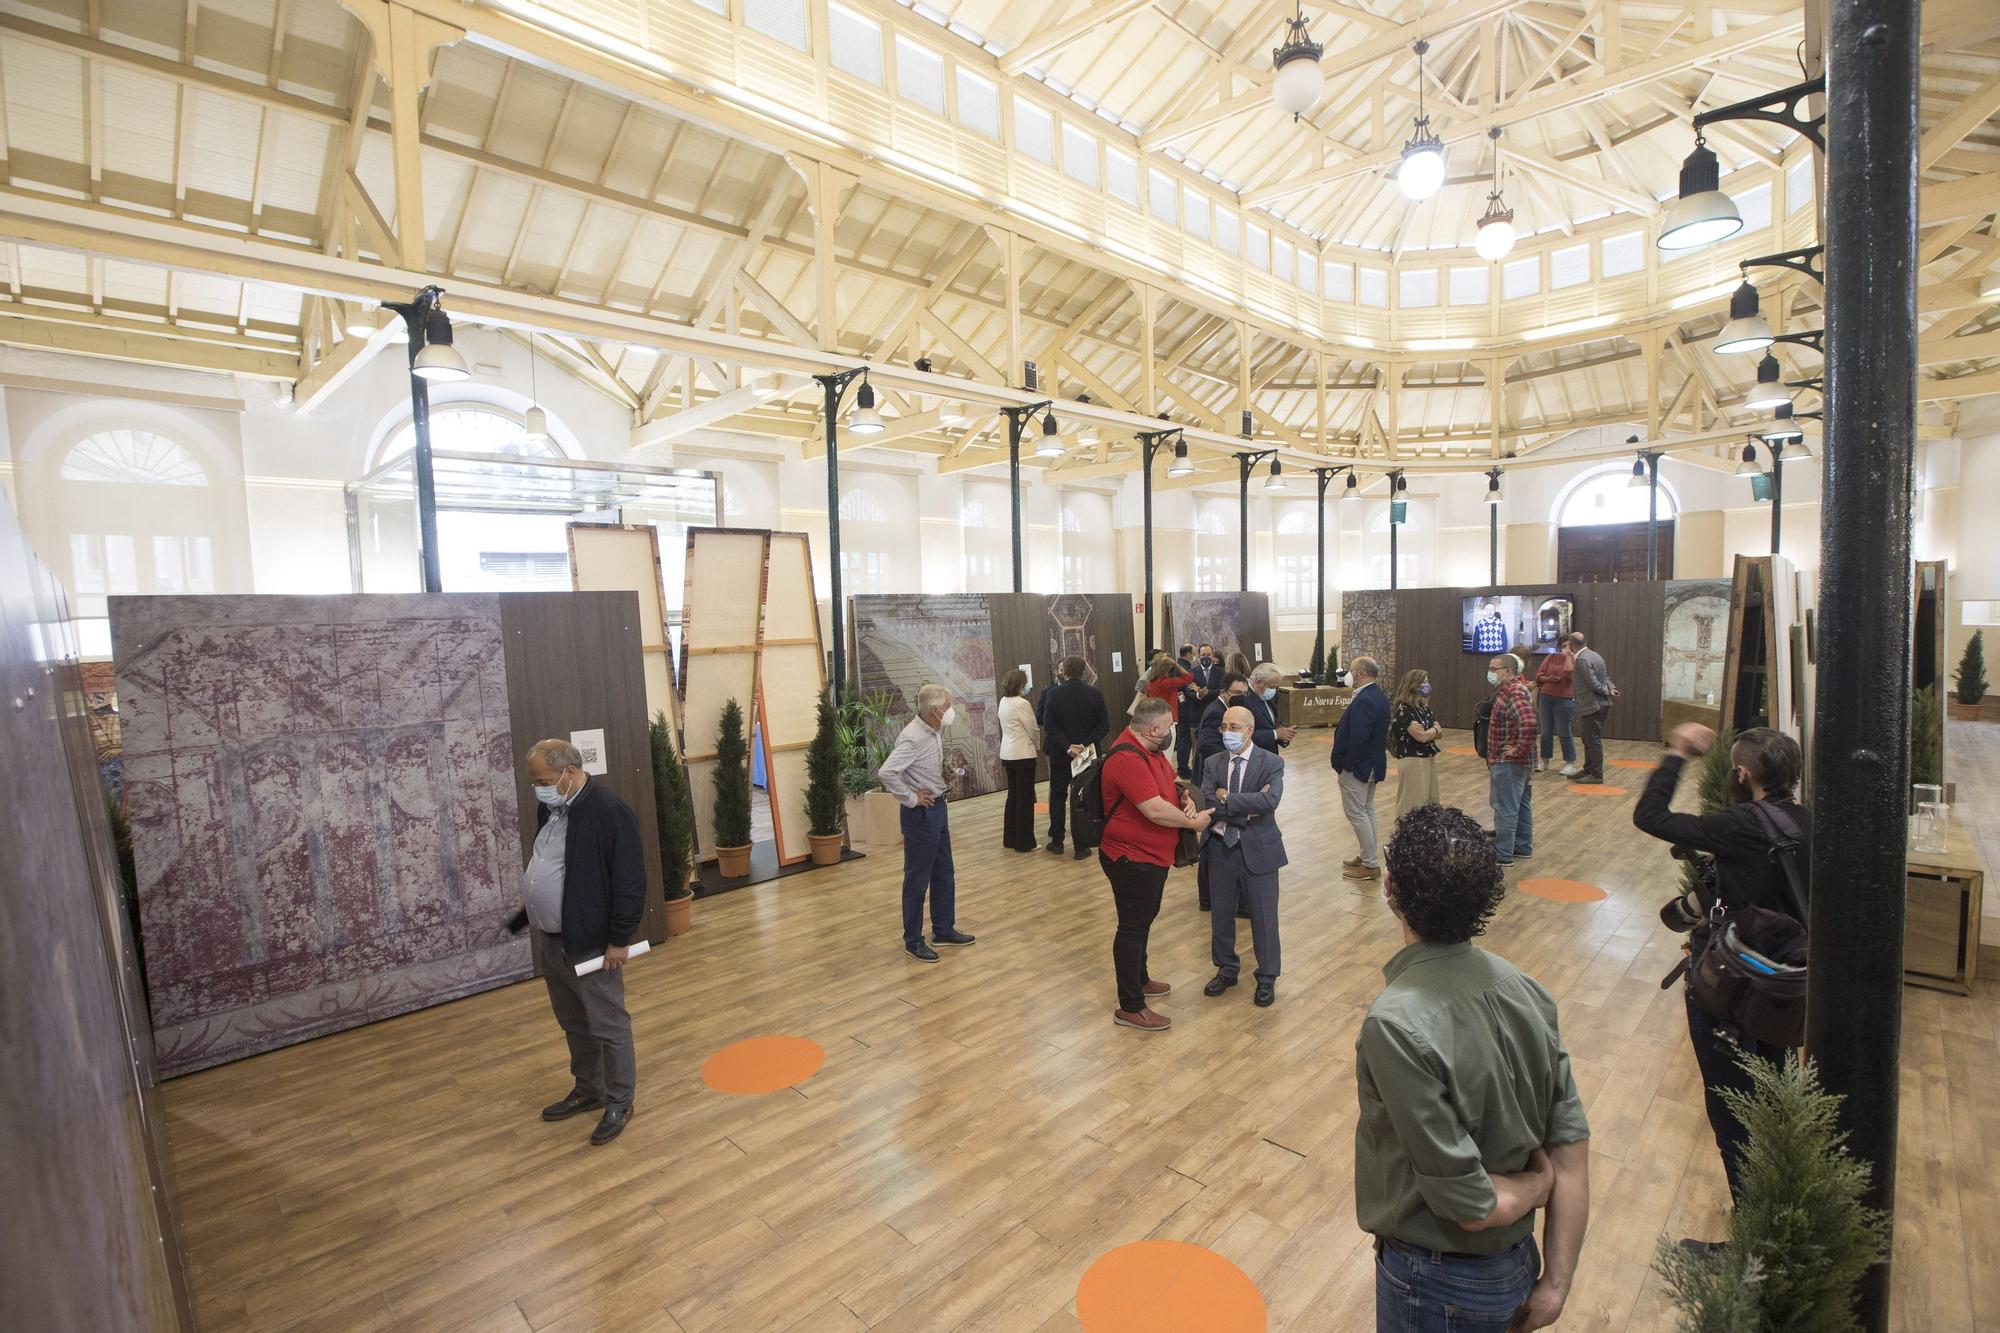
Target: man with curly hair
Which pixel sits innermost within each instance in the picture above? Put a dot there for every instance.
(1470, 1119)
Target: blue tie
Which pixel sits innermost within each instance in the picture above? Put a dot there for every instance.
(1230, 833)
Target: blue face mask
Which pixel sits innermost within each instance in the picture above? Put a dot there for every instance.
(550, 797)
(1492, 678)
(1233, 739)
(1268, 695)
(1424, 689)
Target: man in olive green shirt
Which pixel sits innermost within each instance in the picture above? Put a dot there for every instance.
(1470, 1119)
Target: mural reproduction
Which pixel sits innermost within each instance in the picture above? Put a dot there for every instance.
(1368, 627)
(323, 810)
(1695, 641)
(1212, 617)
(903, 641)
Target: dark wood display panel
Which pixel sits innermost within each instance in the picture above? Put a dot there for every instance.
(1611, 553)
(1026, 629)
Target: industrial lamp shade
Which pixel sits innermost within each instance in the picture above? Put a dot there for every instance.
(1784, 430)
(1702, 213)
(1495, 238)
(1180, 467)
(1422, 171)
(1299, 84)
(1051, 445)
(864, 419)
(1747, 330)
(535, 425)
(1770, 392)
(1276, 481)
(1748, 466)
(1493, 490)
(1353, 487)
(1640, 481)
(440, 362)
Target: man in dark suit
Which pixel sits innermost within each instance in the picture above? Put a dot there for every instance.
(584, 891)
(1361, 758)
(1244, 850)
(1073, 718)
(1232, 692)
(1207, 673)
(1264, 683)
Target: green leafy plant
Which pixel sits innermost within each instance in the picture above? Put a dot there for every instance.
(1711, 791)
(866, 738)
(1800, 1237)
(1971, 673)
(1316, 668)
(826, 803)
(1924, 764)
(732, 780)
(673, 807)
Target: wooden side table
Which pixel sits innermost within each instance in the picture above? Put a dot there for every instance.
(1946, 892)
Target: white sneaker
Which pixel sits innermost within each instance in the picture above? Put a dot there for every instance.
(1541, 765)
(1569, 770)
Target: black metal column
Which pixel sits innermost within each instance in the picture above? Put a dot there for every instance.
(1243, 466)
(1392, 541)
(1014, 420)
(834, 384)
(1777, 493)
(1652, 515)
(1493, 544)
(1860, 765)
(420, 458)
(1146, 449)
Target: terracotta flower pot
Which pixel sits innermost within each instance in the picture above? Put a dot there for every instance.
(1963, 712)
(679, 918)
(826, 848)
(733, 862)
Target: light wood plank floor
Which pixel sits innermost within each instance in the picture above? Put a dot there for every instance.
(980, 1132)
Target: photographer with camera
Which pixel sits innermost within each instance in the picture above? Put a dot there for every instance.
(1761, 843)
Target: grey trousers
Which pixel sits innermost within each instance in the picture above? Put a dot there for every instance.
(1357, 802)
(592, 1013)
(1230, 881)
(1591, 727)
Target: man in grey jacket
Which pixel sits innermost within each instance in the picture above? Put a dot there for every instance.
(1594, 693)
(1243, 785)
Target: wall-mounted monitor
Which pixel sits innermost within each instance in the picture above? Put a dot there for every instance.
(1500, 624)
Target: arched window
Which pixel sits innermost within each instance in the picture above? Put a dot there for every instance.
(132, 458)
(1602, 529)
(1608, 496)
(470, 428)
(1297, 551)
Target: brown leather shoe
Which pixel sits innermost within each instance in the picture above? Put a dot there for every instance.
(1145, 1020)
(1351, 863)
(1155, 989)
(1360, 872)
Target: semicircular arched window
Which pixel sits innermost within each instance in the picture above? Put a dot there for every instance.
(471, 428)
(132, 458)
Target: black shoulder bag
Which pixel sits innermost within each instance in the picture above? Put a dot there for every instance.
(1748, 967)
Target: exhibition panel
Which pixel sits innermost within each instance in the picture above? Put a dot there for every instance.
(791, 678)
(1235, 622)
(606, 557)
(722, 616)
(901, 643)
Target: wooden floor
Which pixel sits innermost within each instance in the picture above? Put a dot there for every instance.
(980, 1132)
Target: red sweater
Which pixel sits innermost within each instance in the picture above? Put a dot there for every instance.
(1166, 687)
(1555, 676)
(1127, 780)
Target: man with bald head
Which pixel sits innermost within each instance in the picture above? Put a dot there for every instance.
(1361, 758)
(1243, 785)
(585, 894)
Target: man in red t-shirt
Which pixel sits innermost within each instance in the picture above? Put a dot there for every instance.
(1144, 813)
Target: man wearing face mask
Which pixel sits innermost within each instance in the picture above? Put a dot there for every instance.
(1243, 851)
(1764, 766)
(1233, 690)
(914, 774)
(1361, 758)
(1207, 673)
(1510, 761)
(1263, 695)
(584, 890)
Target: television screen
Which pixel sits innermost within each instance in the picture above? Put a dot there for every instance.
(1496, 624)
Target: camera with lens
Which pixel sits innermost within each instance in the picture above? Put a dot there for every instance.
(1689, 908)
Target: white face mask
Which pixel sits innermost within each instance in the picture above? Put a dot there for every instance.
(550, 795)
(1268, 694)
(1492, 678)
(1233, 739)
(950, 716)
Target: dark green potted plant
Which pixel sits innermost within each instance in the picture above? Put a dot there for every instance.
(826, 799)
(673, 806)
(1971, 678)
(867, 735)
(1924, 765)
(731, 807)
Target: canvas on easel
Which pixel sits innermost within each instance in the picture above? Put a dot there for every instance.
(791, 679)
(722, 615)
(606, 557)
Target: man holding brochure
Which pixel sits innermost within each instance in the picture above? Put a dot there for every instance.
(584, 890)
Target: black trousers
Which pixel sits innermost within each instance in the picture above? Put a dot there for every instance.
(1058, 796)
(1135, 888)
(1590, 726)
(1018, 823)
(1184, 745)
(1715, 1047)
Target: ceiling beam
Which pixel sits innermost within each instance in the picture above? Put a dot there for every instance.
(90, 336)
(1038, 48)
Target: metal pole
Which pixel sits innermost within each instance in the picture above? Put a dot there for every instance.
(1014, 418)
(1392, 536)
(420, 422)
(1493, 545)
(1243, 466)
(834, 384)
(1147, 448)
(1652, 515)
(1325, 475)
(1777, 493)
(1860, 761)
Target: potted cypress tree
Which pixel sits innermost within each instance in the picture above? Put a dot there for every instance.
(1971, 678)
(825, 798)
(673, 806)
(732, 794)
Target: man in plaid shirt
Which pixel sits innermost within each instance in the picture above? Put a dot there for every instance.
(1510, 759)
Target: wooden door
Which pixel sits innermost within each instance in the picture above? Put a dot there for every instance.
(1610, 553)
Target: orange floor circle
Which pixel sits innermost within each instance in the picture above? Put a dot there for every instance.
(762, 1064)
(1596, 789)
(1633, 763)
(1041, 807)
(1563, 890)
(1461, 749)
(1168, 1286)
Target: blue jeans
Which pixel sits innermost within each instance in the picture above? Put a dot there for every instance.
(1512, 791)
(1555, 716)
(1422, 1291)
(927, 864)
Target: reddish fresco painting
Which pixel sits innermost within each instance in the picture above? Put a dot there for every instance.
(322, 801)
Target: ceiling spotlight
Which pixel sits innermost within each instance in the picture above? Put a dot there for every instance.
(1748, 467)
(1747, 330)
(437, 360)
(1276, 481)
(864, 419)
(1299, 84)
(1051, 445)
(1784, 430)
(1770, 392)
(1353, 487)
(1422, 171)
(1640, 481)
(1702, 213)
(535, 425)
(1495, 237)
(1180, 467)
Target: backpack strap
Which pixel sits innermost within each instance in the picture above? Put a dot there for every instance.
(1784, 834)
(1128, 749)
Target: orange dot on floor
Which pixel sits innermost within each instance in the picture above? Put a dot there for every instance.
(1563, 890)
(1461, 749)
(1595, 789)
(1633, 763)
(1168, 1286)
(762, 1064)
(1041, 807)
